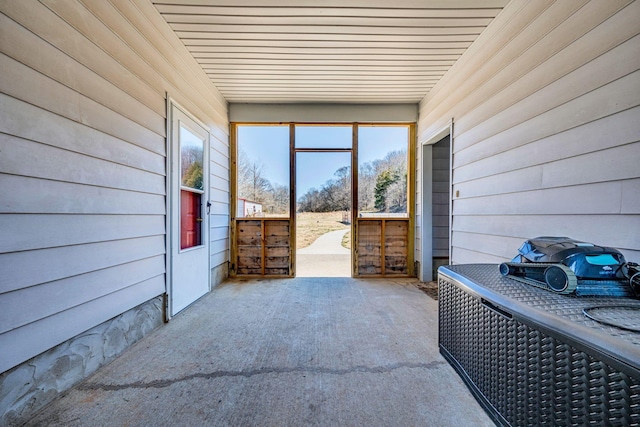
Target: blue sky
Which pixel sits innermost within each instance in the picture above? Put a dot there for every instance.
(269, 145)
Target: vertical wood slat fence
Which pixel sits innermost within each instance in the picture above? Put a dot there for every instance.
(262, 247)
(382, 247)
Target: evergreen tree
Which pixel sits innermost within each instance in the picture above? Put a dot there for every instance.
(385, 179)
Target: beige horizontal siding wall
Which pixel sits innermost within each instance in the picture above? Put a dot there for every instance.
(546, 141)
(82, 164)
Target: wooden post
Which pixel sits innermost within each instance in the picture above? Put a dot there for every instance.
(263, 244)
(354, 201)
(233, 178)
(411, 191)
(383, 243)
(292, 200)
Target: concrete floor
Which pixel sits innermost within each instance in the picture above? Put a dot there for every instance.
(292, 352)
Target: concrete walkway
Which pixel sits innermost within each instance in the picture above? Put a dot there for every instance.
(328, 244)
(325, 257)
(291, 352)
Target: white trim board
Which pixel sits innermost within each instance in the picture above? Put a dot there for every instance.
(323, 113)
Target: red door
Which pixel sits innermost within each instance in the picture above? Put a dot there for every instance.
(190, 219)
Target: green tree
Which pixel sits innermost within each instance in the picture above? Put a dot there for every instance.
(193, 176)
(191, 161)
(385, 179)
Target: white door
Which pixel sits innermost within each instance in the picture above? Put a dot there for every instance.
(188, 211)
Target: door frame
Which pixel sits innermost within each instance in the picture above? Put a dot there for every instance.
(353, 190)
(172, 198)
(411, 187)
(426, 208)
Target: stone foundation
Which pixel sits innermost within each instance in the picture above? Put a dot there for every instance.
(33, 384)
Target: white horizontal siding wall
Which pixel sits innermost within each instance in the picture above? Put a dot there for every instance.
(220, 188)
(82, 164)
(546, 112)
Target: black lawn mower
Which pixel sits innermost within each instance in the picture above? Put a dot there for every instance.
(570, 267)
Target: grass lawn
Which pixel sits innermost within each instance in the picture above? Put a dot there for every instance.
(311, 225)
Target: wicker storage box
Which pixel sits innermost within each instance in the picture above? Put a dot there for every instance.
(532, 357)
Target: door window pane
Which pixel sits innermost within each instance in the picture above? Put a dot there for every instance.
(191, 159)
(190, 219)
(263, 171)
(191, 182)
(382, 171)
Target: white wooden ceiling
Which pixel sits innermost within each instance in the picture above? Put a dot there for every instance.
(356, 51)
